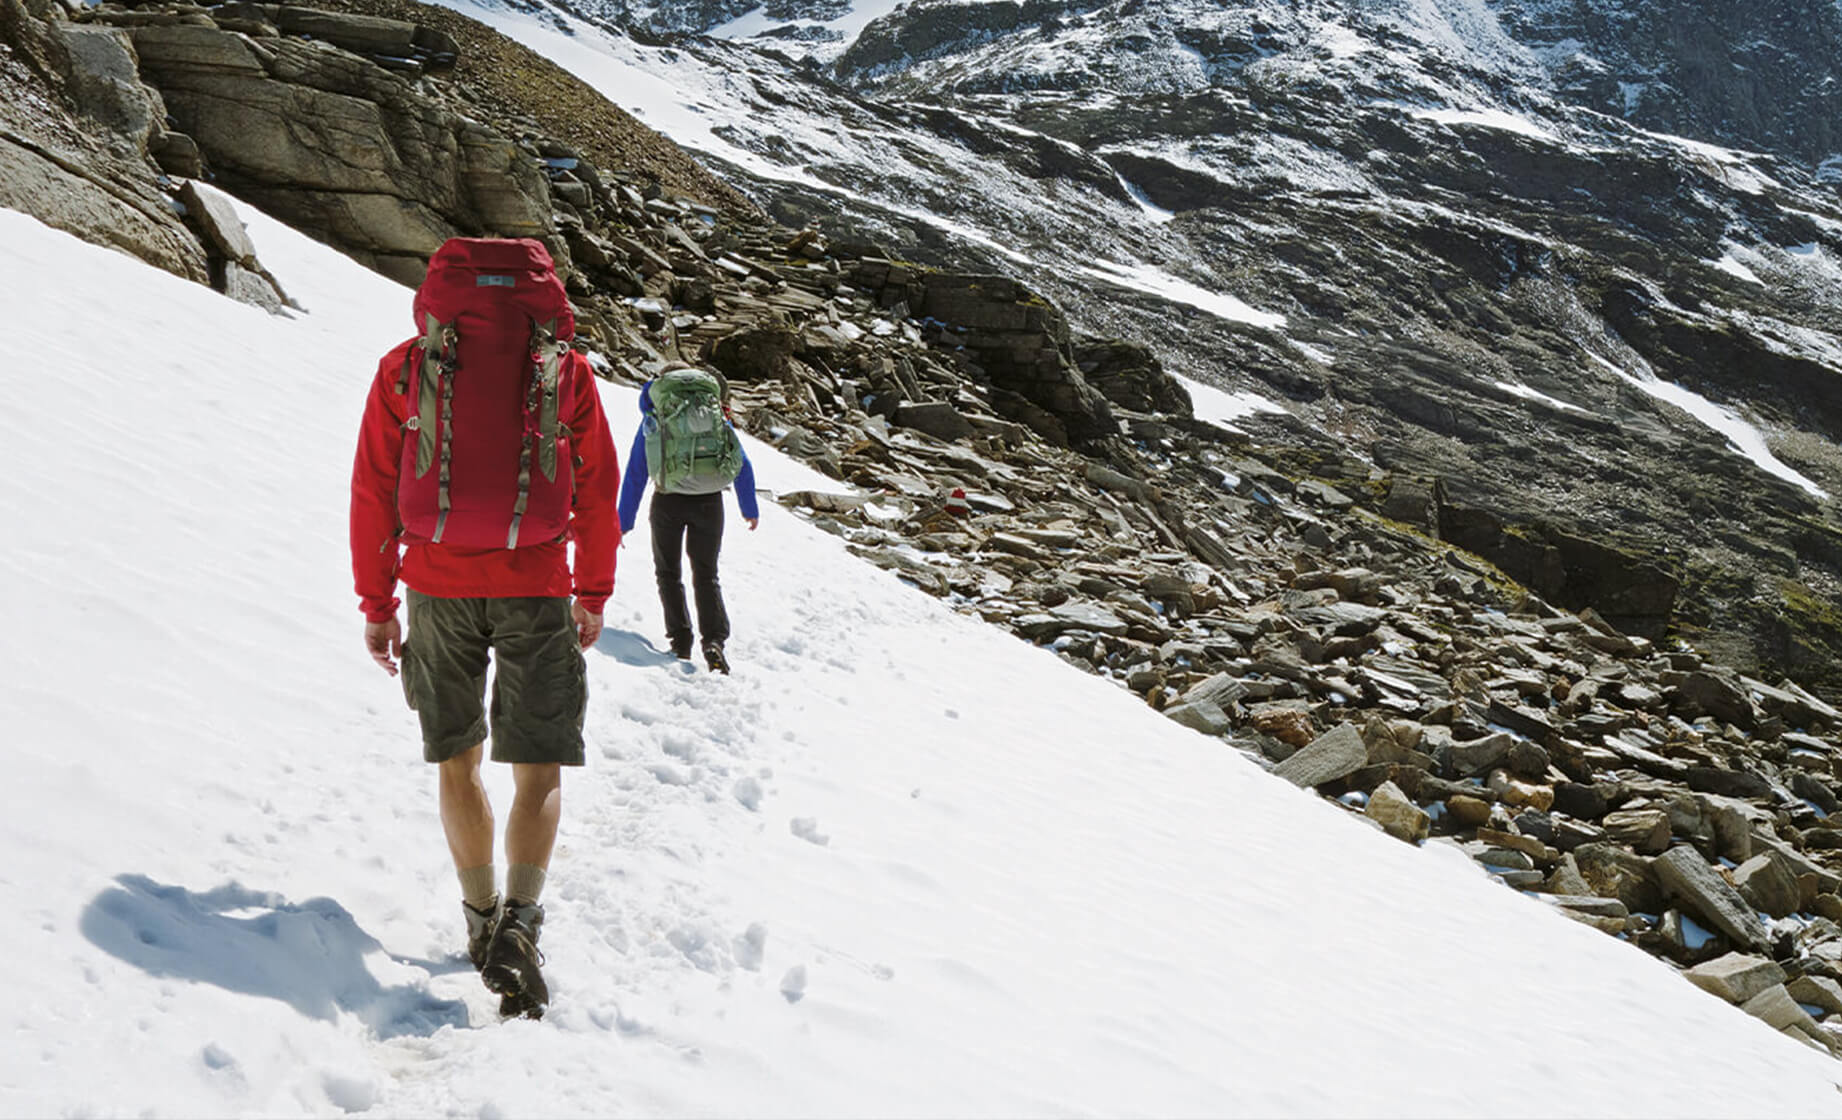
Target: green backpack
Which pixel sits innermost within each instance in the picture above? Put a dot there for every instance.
(690, 447)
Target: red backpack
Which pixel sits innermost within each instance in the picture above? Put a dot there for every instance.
(490, 465)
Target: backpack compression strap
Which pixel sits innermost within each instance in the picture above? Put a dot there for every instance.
(440, 349)
(540, 417)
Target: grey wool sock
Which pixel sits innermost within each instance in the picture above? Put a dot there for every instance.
(524, 882)
(477, 888)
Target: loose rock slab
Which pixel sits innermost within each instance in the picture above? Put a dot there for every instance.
(1689, 877)
(1332, 755)
(1736, 977)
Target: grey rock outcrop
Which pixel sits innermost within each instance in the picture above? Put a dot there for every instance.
(336, 144)
(74, 135)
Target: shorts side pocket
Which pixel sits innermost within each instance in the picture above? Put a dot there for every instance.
(408, 670)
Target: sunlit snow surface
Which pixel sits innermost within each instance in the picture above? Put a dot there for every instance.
(1480, 117)
(856, 17)
(1220, 407)
(1741, 435)
(1145, 278)
(1527, 393)
(900, 863)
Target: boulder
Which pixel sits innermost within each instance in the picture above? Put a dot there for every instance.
(1816, 791)
(177, 154)
(937, 419)
(1538, 852)
(1645, 831)
(1607, 915)
(1613, 872)
(1776, 1007)
(1332, 755)
(1285, 723)
(1222, 689)
(1817, 991)
(1567, 880)
(1202, 715)
(1020, 341)
(217, 220)
(1088, 616)
(360, 34)
(1735, 977)
(1584, 802)
(1767, 882)
(1478, 756)
(754, 353)
(1129, 374)
(1823, 879)
(1415, 501)
(1467, 811)
(1727, 783)
(1397, 814)
(1704, 693)
(1689, 878)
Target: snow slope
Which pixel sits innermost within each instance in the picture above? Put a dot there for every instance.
(898, 864)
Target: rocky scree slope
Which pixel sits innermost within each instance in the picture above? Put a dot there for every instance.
(1060, 485)
(1444, 265)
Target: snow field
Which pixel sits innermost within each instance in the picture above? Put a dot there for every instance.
(898, 864)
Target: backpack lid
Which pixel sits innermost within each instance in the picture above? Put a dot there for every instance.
(677, 378)
(515, 272)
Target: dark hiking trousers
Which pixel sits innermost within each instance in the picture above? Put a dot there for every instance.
(693, 524)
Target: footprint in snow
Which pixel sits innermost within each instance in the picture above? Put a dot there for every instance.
(748, 791)
(672, 776)
(807, 828)
(793, 984)
(751, 947)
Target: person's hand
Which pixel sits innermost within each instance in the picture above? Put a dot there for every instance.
(752, 522)
(588, 626)
(384, 642)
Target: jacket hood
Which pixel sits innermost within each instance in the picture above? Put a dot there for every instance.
(646, 398)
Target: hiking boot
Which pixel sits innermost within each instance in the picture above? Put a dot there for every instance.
(512, 959)
(681, 647)
(520, 1006)
(479, 932)
(713, 657)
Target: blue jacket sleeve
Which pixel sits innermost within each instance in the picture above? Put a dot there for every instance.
(633, 481)
(745, 489)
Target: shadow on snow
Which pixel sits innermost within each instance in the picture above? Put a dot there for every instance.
(629, 648)
(310, 955)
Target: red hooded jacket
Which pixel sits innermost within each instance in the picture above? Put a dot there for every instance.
(446, 571)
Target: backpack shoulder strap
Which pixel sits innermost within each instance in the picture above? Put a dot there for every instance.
(433, 377)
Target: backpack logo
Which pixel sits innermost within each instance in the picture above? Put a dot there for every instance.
(496, 282)
(690, 446)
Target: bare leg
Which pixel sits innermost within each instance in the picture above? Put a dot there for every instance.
(537, 807)
(466, 814)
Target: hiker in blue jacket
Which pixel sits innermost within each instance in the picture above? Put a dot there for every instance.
(688, 449)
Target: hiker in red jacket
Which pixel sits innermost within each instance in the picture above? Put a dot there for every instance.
(483, 451)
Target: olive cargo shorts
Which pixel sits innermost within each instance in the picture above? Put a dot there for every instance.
(539, 687)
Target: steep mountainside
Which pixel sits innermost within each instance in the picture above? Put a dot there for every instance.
(1388, 217)
(1756, 75)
